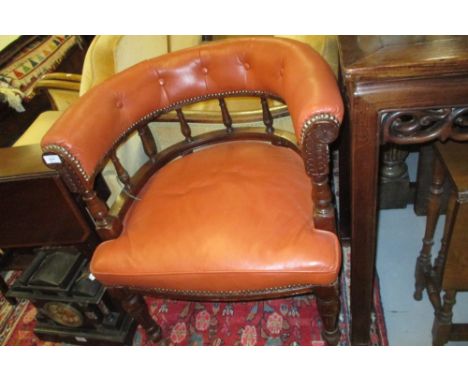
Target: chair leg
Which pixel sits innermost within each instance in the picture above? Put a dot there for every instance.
(328, 304)
(135, 306)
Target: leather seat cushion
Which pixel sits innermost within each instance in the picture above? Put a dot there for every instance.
(231, 217)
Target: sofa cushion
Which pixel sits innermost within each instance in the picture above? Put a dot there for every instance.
(40, 126)
(231, 217)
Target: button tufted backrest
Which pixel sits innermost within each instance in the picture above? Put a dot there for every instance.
(107, 113)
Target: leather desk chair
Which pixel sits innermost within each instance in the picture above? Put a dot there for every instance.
(235, 214)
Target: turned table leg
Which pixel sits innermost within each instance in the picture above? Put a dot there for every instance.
(423, 262)
(449, 222)
(443, 320)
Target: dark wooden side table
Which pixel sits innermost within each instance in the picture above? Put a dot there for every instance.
(399, 90)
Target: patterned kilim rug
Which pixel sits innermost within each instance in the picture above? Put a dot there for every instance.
(290, 321)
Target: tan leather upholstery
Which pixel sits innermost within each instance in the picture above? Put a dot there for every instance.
(286, 68)
(213, 221)
(108, 55)
(325, 45)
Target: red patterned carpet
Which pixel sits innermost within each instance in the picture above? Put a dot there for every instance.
(291, 321)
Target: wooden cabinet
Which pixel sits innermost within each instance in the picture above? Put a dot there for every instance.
(36, 208)
(399, 90)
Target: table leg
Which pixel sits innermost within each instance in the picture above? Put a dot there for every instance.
(448, 228)
(344, 213)
(424, 260)
(443, 320)
(364, 177)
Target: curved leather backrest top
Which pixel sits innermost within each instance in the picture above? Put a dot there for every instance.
(289, 69)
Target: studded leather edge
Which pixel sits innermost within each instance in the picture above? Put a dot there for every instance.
(204, 293)
(319, 117)
(62, 151)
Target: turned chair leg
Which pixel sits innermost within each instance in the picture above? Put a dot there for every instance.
(328, 304)
(136, 307)
(423, 263)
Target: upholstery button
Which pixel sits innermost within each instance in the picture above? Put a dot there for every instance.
(247, 66)
(119, 104)
(205, 70)
(161, 81)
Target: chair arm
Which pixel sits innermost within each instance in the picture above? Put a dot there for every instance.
(319, 132)
(56, 84)
(59, 81)
(62, 89)
(70, 77)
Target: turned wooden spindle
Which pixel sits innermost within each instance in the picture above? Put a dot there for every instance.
(184, 126)
(147, 140)
(267, 118)
(107, 226)
(316, 156)
(423, 262)
(324, 214)
(227, 120)
(122, 173)
(449, 222)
